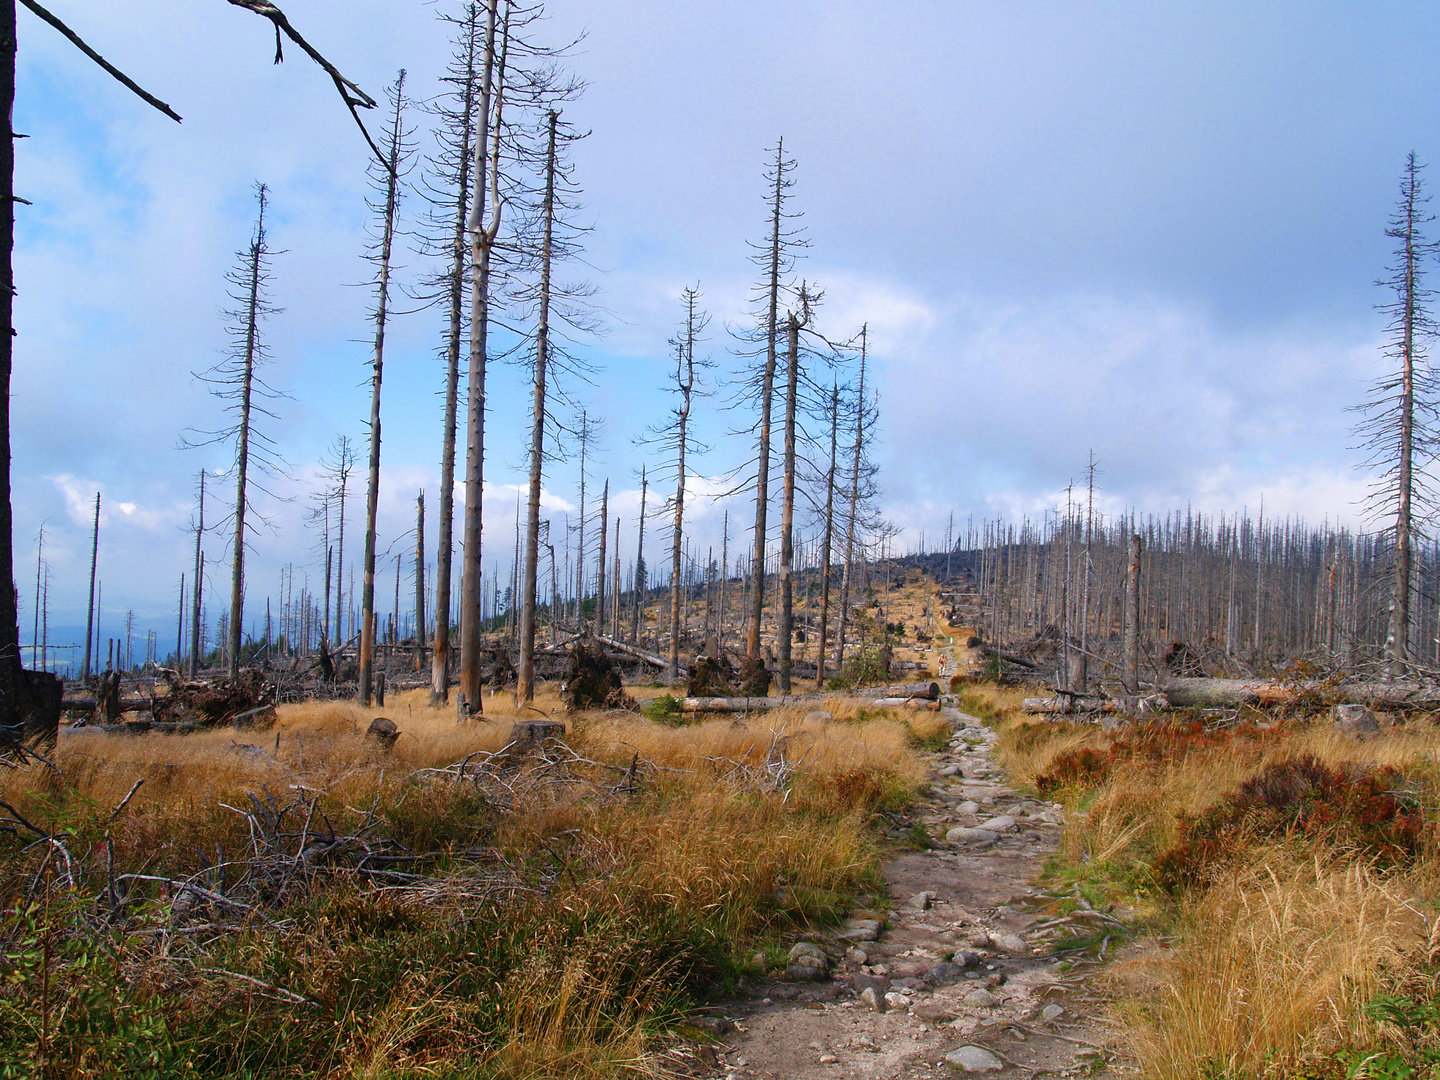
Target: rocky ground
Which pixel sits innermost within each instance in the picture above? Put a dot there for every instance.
(955, 972)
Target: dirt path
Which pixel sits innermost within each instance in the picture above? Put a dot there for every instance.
(959, 980)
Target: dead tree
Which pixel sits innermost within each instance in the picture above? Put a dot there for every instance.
(387, 178)
(675, 441)
(420, 581)
(637, 592)
(1131, 645)
(198, 586)
(482, 227)
(600, 609)
(586, 431)
(557, 307)
(775, 257)
(337, 468)
(860, 491)
(526, 667)
(450, 190)
(827, 543)
(237, 381)
(90, 616)
(1399, 425)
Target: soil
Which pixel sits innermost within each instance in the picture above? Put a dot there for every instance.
(973, 899)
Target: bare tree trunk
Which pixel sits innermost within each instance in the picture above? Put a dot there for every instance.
(526, 667)
(420, 582)
(762, 457)
(94, 562)
(787, 509)
(242, 454)
(685, 372)
(829, 537)
(600, 610)
(615, 587)
(372, 491)
(637, 593)
(854, 505)
(1081, 672)
(455, 287)
(1131, 647)
(482, 242)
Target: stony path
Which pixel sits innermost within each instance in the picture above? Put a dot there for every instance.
(953, 976)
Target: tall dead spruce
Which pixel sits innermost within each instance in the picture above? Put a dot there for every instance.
(676, 441)
(237, 381)
(387, 175)
(1398, 429)
(776, 256)
(526, 667)
(452, 183)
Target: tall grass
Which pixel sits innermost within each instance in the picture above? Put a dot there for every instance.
(1293, 923)
(549, 919)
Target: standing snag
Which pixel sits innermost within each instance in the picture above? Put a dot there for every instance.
(237, 381)
(1399, 425)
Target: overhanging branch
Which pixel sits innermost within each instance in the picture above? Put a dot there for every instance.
(120, 76)
(352, 95)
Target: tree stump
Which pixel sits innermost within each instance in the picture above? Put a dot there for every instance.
(528, 733)
(383, 733)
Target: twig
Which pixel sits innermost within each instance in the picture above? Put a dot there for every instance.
(205, 893)
(286, 995)
(1051, 1035)
(126, 800)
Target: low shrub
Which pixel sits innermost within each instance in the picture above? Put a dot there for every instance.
(1356, 808)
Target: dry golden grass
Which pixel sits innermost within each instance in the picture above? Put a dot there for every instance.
(1275, 961)
(1278, 962)
(629, 898)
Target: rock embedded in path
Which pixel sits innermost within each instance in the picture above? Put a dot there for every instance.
(981, 999)
(1013, 944)
(808, 963)
(897, 1002)
(965, 834)
(920, 901)
(967, 808)
(973, 1059)
(1003, 823)
(871, 999)
(945, 973)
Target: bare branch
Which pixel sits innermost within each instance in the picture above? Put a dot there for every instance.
(75, 39)
(351, 94)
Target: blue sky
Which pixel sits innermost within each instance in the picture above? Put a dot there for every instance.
(1148, 229)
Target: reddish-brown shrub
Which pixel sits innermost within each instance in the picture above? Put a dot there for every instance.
(1076, 768)
(1359, 808)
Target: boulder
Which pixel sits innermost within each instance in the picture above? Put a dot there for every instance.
(1356, 720)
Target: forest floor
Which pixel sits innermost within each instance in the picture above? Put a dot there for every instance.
(962, 977)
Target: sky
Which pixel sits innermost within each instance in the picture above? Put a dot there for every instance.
(1150, 231)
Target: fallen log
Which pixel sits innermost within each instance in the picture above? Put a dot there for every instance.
(927, 690)
(639, 654)
(1048, 705)
(1219, 693)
